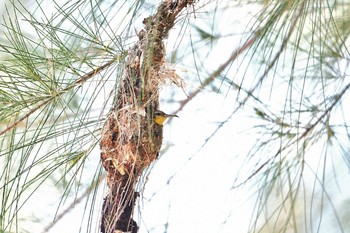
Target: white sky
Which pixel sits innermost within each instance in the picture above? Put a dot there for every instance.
(199, 197)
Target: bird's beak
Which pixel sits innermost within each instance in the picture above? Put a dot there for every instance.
(171, 115)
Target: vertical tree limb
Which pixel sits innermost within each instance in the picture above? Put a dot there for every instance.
(130, 139)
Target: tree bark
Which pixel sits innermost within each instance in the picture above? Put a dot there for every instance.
(130, 139)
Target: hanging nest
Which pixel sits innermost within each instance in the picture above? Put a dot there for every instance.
(130, 139)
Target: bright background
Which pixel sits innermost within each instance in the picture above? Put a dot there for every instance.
(190, 187)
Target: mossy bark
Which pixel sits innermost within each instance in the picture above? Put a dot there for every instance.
(130, 139)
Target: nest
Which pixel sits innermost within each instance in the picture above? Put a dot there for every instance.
(130, 139)
(130, 143)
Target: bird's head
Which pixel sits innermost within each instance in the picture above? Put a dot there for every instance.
(160, 117)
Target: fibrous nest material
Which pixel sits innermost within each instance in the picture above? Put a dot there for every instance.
(130, 139)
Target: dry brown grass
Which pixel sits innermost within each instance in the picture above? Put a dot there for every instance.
(130, 139)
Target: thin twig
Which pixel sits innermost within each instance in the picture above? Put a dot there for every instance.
(14, 124)
(306, 132)
(73, 204)
(78, 81)
(217, 72)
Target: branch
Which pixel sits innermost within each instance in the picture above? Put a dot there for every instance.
(130, 141)
(306, 132)
(73, 204)
(217, 72)
(82, 79)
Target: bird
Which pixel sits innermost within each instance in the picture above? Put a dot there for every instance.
(160, 117)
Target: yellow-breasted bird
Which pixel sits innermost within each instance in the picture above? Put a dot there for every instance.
(160, 117)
